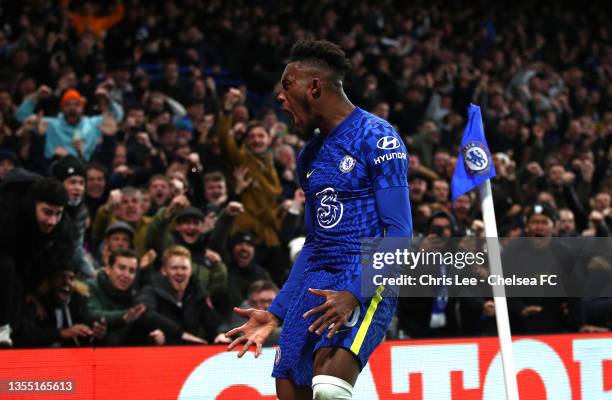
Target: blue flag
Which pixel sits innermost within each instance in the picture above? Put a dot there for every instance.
(474, 164)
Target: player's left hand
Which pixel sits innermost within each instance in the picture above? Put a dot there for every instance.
(335, 310)
(259, 326)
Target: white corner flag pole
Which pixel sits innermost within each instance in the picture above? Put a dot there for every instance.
(499, 291)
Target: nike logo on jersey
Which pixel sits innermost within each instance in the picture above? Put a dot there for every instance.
(310, 173)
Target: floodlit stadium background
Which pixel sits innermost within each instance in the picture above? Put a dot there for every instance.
(423, 82)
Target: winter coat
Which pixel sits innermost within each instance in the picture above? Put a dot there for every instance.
(174, 317)
(35, 254)
(110, 303)
(260, 198)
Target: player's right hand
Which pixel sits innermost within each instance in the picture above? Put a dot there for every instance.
(254, 332)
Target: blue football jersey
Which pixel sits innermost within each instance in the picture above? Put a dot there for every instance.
(340, 173)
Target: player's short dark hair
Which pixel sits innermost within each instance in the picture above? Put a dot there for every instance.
(127, 253)
(321, 53)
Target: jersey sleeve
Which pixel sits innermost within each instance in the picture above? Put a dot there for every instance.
(393, 205)
(386, 156)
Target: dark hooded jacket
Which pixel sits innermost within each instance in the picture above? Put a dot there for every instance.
(106, 301)
(35, 254)
(174, 318)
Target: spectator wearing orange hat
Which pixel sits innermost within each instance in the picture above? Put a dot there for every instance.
(70, 132)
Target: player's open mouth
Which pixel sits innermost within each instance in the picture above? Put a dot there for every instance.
(293, 120)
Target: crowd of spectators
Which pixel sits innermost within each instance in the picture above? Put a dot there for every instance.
(148, 178)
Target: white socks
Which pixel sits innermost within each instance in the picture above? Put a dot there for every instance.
(327, 387)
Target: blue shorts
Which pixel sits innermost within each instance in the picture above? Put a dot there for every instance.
(363, 332)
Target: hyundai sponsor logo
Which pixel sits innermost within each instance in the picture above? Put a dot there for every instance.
(388, 143)
(389, 156)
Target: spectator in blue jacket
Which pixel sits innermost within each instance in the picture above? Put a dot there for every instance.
(70, 131)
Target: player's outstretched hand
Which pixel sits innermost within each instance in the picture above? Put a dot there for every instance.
(254, 332)
(335, 310)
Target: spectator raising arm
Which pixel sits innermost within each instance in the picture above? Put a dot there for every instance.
(70, 130)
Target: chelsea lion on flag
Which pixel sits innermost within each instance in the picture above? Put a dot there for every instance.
(474, 165)
(474, 169)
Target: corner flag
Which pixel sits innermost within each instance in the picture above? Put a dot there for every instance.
(474, 169)
(474, 164)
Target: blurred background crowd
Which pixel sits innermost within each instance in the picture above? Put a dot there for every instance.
(170, 193)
